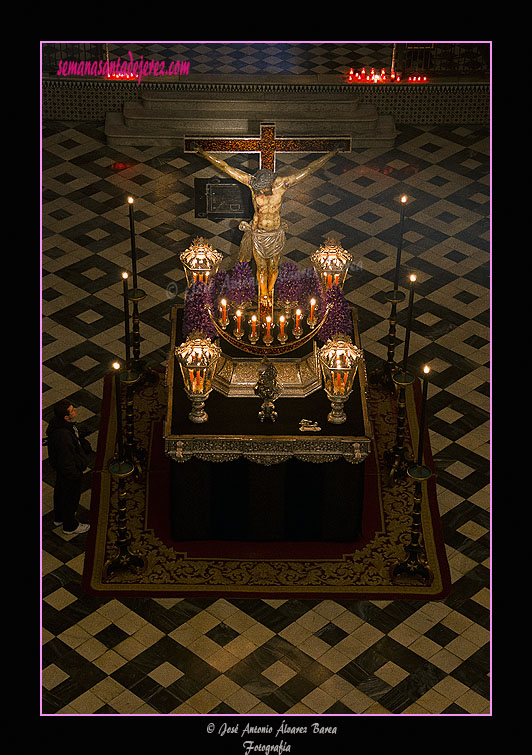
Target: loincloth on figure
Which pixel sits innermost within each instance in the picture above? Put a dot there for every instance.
(266, 244)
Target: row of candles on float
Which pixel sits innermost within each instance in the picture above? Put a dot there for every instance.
(374, 78)
(268, 325)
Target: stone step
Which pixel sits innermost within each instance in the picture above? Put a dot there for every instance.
(162, 132)
(244, 99)
(225, 119)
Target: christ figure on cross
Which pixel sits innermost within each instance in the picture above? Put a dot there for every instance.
(264, 237)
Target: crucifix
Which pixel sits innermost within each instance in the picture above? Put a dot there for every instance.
(264, 236)
(268, 145)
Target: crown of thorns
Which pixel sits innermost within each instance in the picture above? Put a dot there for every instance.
(263, 179)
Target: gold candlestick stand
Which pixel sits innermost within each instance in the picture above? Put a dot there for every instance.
(384, 375)
(147, 375)
(133, 452)
(415, 563)
(396, 458)
(121, 468)
(125, 558)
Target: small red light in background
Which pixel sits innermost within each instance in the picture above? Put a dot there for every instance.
(382, 77)
(120, 166)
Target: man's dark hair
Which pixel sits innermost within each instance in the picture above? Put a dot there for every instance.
(61, 408)
(262, 179)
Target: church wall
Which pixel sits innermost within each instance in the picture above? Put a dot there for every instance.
(72, 99)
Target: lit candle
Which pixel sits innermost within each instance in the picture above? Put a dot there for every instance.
(238, 320)
(298, 318)
(254, 326)
(400, 245)
(281, 325)
(116, 367)
(409, 323)
(224, 310)
(126, 317)
(426, 370)
(312, 305)
(133, 246)
(268, 321)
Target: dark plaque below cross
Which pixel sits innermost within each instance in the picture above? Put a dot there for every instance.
(218, 198)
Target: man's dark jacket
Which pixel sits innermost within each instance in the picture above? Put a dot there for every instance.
(65, 452)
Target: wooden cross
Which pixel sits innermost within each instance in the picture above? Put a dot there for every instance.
(268, 145)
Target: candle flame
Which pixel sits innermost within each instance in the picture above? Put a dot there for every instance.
(125, 276)
(116, 365)
(426, 369)
(268, 318)
(130, 200)
(238, 313)
(254, 318)
(223, 302)
(313, 301)
(404, 198)
(413, 278)
(298, 311)
(281, 319)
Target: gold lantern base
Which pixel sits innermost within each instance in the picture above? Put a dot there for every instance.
(198, 415)
(337, 415)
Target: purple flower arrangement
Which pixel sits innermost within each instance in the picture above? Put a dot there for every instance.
(218, 287)
(339, 317)
(195, 314)
(241, 284)
(309, 288)
(288, 283)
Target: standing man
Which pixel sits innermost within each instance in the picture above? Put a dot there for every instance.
(68, 459)
(265, 235)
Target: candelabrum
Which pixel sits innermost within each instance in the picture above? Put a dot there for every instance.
(121, 468)
(125, 556)
(339, 361)
(415, 563)
(197, 358)
(397, 458)
(384, 375)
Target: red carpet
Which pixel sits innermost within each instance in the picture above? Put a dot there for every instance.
(314, 570)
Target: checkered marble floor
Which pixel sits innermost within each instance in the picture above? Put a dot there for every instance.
(260, 58)
(215, 656)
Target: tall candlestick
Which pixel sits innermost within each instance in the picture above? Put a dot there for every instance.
(298, 318)
(400, 245)
(253, 326)
(133, 245)
(409, 323)
(116, 367)
(224, 310)
(426, 370)
(281, 325)
(126, 319)
(238, 320)
(312, 305)
(268, 321)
